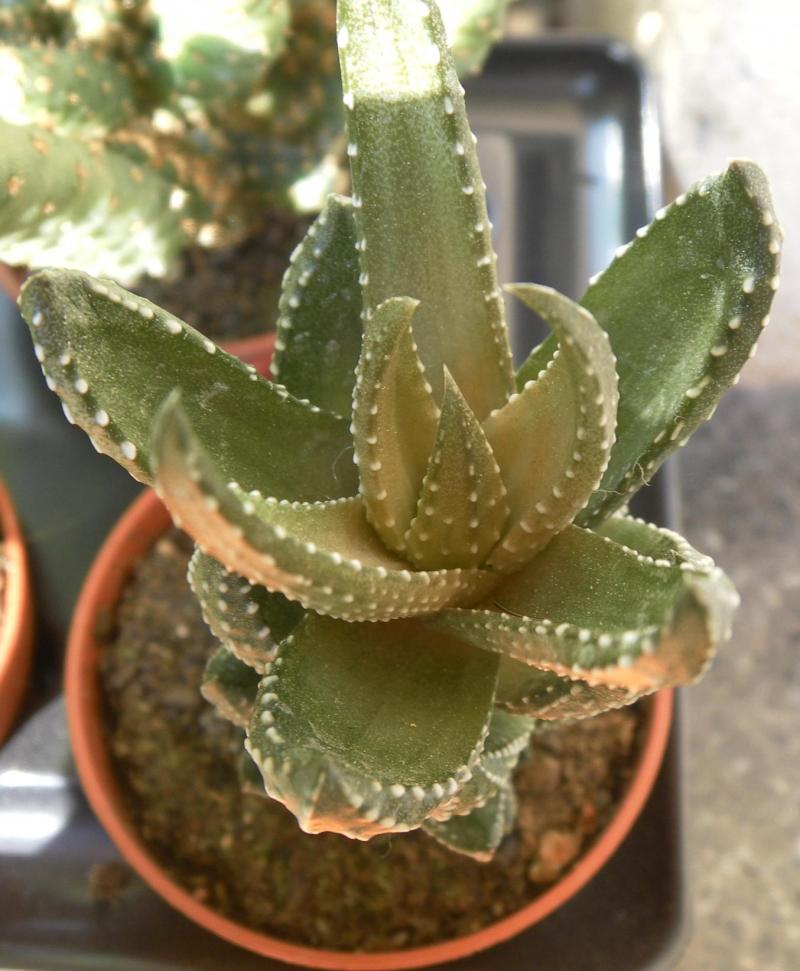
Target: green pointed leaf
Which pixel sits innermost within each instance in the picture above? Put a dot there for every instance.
(112, 357)
(660, 545)
(551, 698)
(478, 833)
(419, 198)
(509, 735)
(411, 716)
(230, 686)
(394, 421)
(553, 439)
(536, 362)
(462, 508)
(69, 204)
(249, 777)
(596, 610)
(319, 327)
(249, 620)
(683, 305)
(523, 690)
(325, 555)
(476, 788)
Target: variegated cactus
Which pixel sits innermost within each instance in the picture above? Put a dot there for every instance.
(412, 555)
(130, 129)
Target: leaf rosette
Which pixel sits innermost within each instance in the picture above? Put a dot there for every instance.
(412, 555)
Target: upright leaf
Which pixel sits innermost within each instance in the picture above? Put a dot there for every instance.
(394, 421)
(419, 198)
(462, 507)
(319, 327)
(553, 439)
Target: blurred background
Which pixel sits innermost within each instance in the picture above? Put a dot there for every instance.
(726, 81)
(725, 75)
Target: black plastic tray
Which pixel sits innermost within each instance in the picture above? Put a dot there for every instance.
(569, 148)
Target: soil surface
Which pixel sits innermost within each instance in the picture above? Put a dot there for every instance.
(231, 292)
(244, 855)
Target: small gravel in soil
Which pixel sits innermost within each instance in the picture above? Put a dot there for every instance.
(108, 881)
(245, 855)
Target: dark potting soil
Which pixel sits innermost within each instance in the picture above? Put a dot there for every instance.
(245, 856)
(231, 292)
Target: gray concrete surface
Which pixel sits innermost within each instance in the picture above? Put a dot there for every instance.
(727, 73)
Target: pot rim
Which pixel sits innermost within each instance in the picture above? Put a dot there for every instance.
(245, 347)
(135, 533)
(16, 615)
(11, 279)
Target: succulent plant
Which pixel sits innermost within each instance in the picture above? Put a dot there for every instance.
(413, 556)
(131, 130)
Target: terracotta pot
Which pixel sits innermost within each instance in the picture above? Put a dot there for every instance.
(134, 535)
(255, 350)
(11, 278)
(16, 615)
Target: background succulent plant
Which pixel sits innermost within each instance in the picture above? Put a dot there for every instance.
(412, 555)
(130, 129)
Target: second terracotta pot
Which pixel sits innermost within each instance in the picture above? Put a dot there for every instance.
(11, 278)
(256, 350)
(16, 615)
